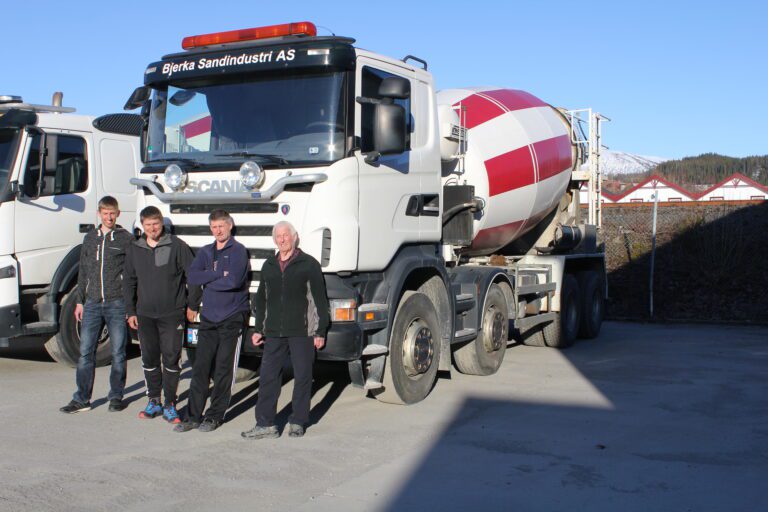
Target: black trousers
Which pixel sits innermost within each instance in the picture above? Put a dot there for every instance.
(302, 353)
(160, 340)
(217, 354)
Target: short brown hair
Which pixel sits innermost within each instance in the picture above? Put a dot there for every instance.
(150, 212)
(108, 202)
(220, 215)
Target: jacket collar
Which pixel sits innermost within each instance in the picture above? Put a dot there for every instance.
(227, 245)
(165, 239)
(100, 233)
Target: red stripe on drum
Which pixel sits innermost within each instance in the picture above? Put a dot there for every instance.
(479, 110)
(510, 171)
(198, 127)
(514, 99)
(554, 156)
(498, 236)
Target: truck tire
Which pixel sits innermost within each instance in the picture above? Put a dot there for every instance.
(533, 337)
(248, 368)
(484, 355)
(562, 332)
(64, 346)
(592, 286)
(414, 351)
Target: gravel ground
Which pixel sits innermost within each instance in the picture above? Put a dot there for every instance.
(646, 417)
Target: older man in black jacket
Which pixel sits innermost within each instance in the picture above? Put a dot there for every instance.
(291, 312)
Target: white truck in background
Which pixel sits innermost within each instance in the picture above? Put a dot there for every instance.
(54, 168)
(443, 221)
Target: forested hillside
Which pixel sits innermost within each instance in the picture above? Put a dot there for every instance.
(710, 168)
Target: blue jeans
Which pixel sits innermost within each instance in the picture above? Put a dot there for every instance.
(95, 315)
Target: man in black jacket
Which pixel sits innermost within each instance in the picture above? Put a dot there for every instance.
(154, 284)
(291, 311)
(100, 301)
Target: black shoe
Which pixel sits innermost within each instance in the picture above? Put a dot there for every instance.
(209, 425)
(295, 430)
(186, 426)
(116, 405)
(258, 432)
(75, 406)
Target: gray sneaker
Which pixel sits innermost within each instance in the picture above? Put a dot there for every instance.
(258, 432)
(209, 425)
(295, 430)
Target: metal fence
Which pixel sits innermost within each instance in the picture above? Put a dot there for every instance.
(706, 255)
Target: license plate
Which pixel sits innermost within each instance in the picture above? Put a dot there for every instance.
(191, 336)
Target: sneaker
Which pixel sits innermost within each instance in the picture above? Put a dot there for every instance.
(258, 432)
(151, 410)
(75, 406)
(295, 430)
(209, 425)
(186, 426)
(116, 405)
(170, 414)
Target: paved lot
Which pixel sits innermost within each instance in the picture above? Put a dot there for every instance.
(645, 418)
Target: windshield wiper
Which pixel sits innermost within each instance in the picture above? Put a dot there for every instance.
(245, 154)
(188, 161)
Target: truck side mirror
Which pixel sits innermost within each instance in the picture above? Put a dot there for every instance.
(143, 142)
(389, 129)
(395, 87)
(138, 97)
(35, 190)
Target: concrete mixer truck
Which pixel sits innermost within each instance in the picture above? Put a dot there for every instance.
(444, 222)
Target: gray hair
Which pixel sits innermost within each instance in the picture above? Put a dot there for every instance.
(284, 224)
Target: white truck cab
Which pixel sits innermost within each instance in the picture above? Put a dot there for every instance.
(54, 168)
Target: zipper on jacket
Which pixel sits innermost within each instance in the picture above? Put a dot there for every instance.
(101, 276)
(282, 297)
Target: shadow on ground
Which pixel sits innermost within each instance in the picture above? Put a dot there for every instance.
(672, 426)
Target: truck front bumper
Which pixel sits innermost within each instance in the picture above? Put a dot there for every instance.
(344, 342)
(10, 323)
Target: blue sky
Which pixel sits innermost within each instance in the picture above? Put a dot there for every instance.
(678, 78)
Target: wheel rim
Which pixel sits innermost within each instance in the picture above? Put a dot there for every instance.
(418, 348)
(494, 326)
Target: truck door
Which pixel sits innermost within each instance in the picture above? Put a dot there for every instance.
(49, 226)
(386, 185)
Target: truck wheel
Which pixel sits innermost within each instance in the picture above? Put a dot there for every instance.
(533, 337)
(64, 346)
(484, 355)
(561, 333)
(414, 351)
(592, 303)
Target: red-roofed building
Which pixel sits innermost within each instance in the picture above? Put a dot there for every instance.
(736, 187)
(643, 192)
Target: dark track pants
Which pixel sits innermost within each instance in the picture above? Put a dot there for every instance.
(160, 340)
(217, 353)
(302, 353)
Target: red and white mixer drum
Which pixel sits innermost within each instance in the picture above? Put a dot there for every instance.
(518, 156)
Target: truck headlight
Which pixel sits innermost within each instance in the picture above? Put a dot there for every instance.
(7, 272)
(343, 310)
(175, 177)
(251, 174)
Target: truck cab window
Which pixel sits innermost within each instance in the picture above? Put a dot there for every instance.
(371, 80)
(8, 142)
(66, 165)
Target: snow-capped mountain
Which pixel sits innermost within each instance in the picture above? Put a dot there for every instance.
(618, 162)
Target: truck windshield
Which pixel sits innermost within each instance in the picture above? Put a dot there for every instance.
(8, 143)
(285, 120)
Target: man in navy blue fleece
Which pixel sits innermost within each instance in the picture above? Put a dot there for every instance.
(222, 268)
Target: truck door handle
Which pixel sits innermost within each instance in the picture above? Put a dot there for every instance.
(84, 228)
